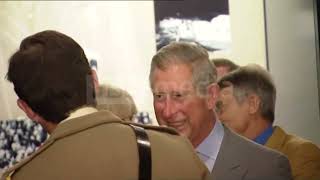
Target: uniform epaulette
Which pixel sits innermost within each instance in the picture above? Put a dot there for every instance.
(155, 128)
(9, 175)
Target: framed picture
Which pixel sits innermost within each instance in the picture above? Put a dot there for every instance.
(203, 22)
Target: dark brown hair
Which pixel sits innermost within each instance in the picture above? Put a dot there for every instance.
(51, 73)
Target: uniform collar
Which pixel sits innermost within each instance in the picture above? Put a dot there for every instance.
(82, 122)
(80, 112)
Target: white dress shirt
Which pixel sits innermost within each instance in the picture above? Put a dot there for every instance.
(209, 148)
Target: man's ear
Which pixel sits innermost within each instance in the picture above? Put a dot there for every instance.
(254, 103)
(26, 108)
(95, 80)
(212, 96)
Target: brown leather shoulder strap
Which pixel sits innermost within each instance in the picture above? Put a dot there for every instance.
(144, 148)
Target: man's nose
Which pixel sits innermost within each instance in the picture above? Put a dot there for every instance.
(169, 108)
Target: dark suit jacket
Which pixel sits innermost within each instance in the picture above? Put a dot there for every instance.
(242, 159)
(100, 146)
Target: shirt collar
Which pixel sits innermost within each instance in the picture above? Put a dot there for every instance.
(264, 136)
(80, 112)
(209, 148)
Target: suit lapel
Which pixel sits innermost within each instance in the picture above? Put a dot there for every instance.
(228, 163)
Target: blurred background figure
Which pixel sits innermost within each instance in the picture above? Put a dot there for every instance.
(247, 105)
(223, 66)
(114, 99)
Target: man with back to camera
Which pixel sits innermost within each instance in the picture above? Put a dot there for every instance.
(182, 80)
(55, 86)
(248, 97)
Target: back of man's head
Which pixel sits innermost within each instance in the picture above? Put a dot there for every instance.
(218, 62)
(253, 79)
(223, 66)
(51, 73)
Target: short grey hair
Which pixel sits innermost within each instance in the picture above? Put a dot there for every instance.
(194, 56)
(253, 79)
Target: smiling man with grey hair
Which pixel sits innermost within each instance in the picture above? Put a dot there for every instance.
(183, 82)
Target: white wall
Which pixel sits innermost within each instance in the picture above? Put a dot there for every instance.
(14, 26)
(292, 56)
(247, 32)
(290, 47)
(120, 34)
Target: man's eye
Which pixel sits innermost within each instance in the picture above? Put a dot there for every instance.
(178, 95)
(159, 96)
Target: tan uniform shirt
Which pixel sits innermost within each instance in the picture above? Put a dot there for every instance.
(101, 146)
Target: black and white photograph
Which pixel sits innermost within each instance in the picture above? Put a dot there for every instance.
(205, 23)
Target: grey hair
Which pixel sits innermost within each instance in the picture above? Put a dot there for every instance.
(253, 79)
(194, 56)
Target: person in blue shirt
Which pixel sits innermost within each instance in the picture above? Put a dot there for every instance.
(246, 104)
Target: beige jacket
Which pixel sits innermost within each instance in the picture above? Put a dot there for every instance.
(100, 146)
(303, 155)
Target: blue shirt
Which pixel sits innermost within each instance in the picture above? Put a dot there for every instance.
(209, 148)
(263, 138)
